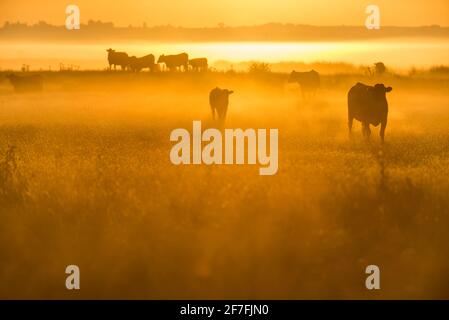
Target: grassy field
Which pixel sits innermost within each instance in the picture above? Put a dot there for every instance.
(86, 179)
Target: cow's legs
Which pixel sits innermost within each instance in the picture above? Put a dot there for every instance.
(363, 130)
(221, 115)
(383, 126)
(350, 121)
(366, 130)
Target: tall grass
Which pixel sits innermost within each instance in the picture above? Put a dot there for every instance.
(89, 182)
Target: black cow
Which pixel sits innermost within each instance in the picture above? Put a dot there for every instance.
(174, 61)
(26, 83)
(219, 101)
(117, 59)
(137, 64)
(309, 82)
(198, 64)
(368, 105)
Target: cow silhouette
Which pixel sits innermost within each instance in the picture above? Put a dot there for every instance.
(26, 83)
(198, 64)
(137, 64)
(309, 82)
(117, 59)
(219, 102)
(368, 104)
(173, 62)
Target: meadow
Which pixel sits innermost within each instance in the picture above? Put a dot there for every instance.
(86, 179)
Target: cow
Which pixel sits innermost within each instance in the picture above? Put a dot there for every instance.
(137, 64)
(219, 101)
(26, 83)
(117, 59)
(368, 104)
(309, 82)
(198, 64)
(174, 61)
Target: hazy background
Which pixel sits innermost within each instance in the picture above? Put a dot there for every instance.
(276, 32)
(230, 55)
(202, 13)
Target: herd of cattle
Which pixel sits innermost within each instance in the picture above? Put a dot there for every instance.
(172, 62)
(367, 104)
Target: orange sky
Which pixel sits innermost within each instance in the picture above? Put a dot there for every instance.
(199, 13)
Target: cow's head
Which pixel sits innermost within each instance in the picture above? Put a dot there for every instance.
(110, 50)
(380, 89)
(161, 58)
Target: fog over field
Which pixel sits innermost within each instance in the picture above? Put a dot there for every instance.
(86, 179)
(402, 54)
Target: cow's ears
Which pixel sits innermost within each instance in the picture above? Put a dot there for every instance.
(388, 89)
(230, 92)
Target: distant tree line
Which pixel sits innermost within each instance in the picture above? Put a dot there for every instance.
(267, 32)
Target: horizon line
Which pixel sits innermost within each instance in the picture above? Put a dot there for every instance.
(218, 26)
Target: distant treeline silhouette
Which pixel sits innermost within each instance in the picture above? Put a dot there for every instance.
(266, 32)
